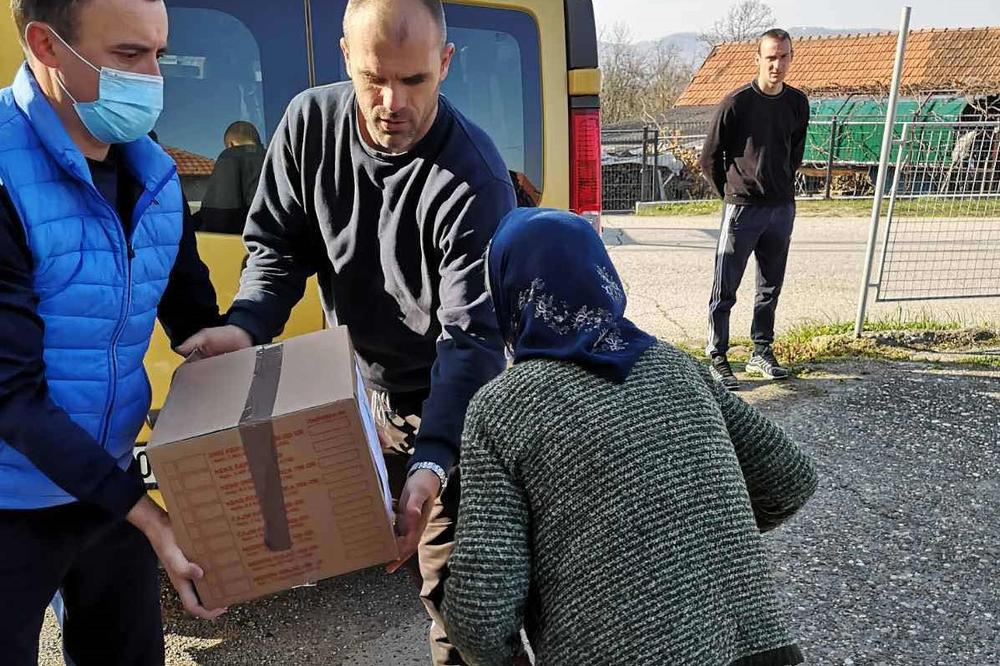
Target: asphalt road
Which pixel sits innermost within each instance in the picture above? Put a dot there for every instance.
(894, 561)
(667, 266)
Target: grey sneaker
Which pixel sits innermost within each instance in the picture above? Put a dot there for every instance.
(766, 365)
(723, 373)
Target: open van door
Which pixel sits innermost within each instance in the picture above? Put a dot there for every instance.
(229, 60)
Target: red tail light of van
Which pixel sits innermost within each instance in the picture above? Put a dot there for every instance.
(585, 164)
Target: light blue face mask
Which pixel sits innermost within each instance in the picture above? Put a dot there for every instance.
(127, 105)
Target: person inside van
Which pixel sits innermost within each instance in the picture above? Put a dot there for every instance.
(387, 192)
(94, 244)
(613, 493)
(233, 183)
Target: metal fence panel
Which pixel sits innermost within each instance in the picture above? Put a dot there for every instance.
(626, 167)
(650, 164)
(942, 238)
(840, 161)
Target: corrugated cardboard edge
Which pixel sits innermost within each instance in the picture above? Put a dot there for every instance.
(361, 397)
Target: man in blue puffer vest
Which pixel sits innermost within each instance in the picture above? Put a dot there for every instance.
(95, 242)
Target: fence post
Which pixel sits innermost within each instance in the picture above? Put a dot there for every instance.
(890, 123)
(642, 170)
(829, 157)
(655, 181)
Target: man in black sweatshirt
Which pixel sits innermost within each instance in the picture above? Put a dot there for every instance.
(233, 183)
(754, 147)
(386, 192)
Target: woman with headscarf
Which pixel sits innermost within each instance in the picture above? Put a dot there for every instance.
(613, 494)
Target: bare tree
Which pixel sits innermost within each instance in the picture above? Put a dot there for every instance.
(668, 76)
(638, 82)
(622, 74)
(744, 21)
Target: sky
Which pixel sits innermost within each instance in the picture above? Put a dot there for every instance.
(651, 19)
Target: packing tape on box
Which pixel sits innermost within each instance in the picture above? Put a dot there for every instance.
(257, 435)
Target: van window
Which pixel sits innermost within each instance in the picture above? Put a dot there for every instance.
(228, 61)
(495, 77)
(495, 80)
(234, 60)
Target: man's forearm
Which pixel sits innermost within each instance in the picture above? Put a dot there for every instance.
(713, 170)
(273, 282)
(461, 369)
(712, 161)
(189, 302)
(255, 325)
(65, 453)
(719, 179)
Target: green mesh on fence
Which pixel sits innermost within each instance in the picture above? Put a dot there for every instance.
(860, 124)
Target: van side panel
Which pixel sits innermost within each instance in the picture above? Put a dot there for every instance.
(11, 54)
(584, 82)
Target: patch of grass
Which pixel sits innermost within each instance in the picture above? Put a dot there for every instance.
(919, 207)
(921, 321)
(691, 350)
(679, 208)
(978, 360)
(895, 337)
(702, 207)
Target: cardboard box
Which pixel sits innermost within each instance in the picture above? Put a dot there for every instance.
(269, 463)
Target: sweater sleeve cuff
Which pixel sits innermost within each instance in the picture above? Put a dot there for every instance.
(434, 452)
(246, 320)
(119, 491)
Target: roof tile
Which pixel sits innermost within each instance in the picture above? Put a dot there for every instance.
(190, 164)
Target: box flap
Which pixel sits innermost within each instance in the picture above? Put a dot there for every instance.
(316, 369)
(212, 394)
(205, 396)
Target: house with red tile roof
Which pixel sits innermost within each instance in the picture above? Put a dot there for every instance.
(958, 62)
(948, 75)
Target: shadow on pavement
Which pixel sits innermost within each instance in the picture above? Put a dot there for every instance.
(368, 612)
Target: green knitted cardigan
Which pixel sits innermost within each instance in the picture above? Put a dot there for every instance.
(620, 524)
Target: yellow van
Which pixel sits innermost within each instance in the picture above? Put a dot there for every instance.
(524, 70)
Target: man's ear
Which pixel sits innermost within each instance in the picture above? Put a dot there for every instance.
(40, 44)
(446, 55)
(347, 54)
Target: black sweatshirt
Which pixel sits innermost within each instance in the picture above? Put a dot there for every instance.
(755, 145)
(397, 242)
(230, 190)
(29, 420)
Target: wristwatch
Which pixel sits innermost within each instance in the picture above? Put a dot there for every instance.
(433, 467)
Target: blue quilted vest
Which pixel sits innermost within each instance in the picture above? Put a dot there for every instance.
(98, 291)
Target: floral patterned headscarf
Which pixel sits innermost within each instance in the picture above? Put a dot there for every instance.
(558, 296)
